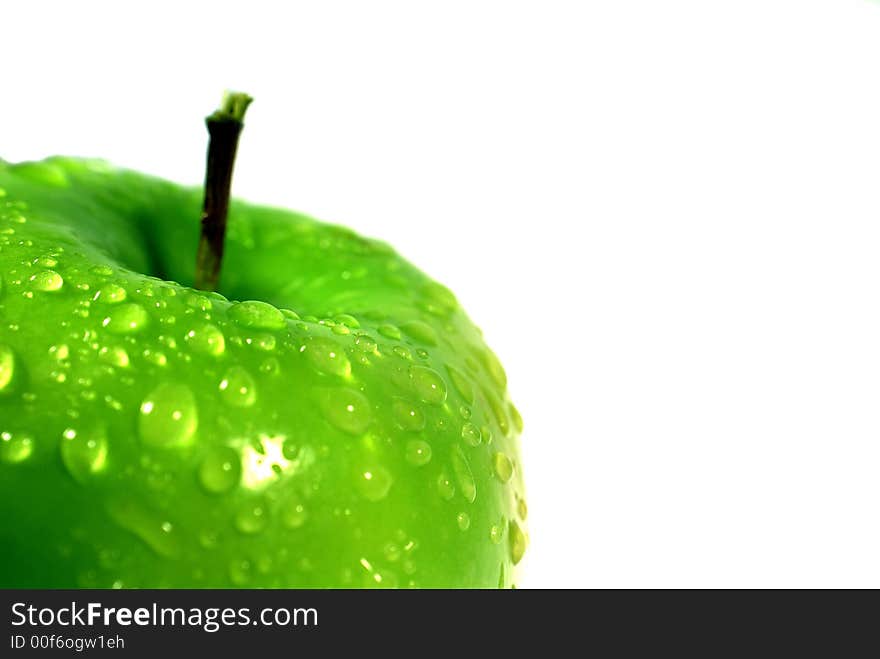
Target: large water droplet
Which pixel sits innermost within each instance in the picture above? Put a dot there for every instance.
(237, 388)
(206, 338)
(110, 294)
(258, 315)
(84, 452)
(47, 280)
(374, 482)
(7, 368)
(126, 319)
(503, 467)
(220, 471)
(15, 448)
(168, 416)
(463, 475)
(347, 409)
(407, 415)
(418, 452)
(328, 357)
(428, 384)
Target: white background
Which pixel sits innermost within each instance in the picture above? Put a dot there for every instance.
(664, 215)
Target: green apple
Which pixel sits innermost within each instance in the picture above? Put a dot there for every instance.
(333, 419)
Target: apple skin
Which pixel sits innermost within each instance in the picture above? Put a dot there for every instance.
(350, 428)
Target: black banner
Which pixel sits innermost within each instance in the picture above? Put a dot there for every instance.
(411, 622)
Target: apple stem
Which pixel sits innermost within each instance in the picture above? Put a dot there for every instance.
(224, 128)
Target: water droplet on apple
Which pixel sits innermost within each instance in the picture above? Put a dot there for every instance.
(198, 301)
(220, 471)
(421, 332)
(101, 271)
(392, 552)
(521, 508)
(208, 539)
(462, 385)
(251, 518)
(45, 262)
(15, 448)
(114, 355)
(126, 319)
(347, 409)
(445, 486)
(270, 366)
(496, 533)
(471, 434)
(293, 513)
(110, 294)
(494, 368)
(418, 452)
(407, 415)
(518, 542)
(463, 475)
(463, 520)
(389, 331)
(84, 453)
(515, 417)
(158, 534)
(206, 339)
(257, 315)
(503, 467)
(168, 416)
(365, 344)
(237, 388)
(47, 280)
(328, 357)
(374, 482)
(155, 357)
(348, 321)
(438, 300)
(240, 572)
(7, 368)
(264, 342)
(428, 384)
(499, 413)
